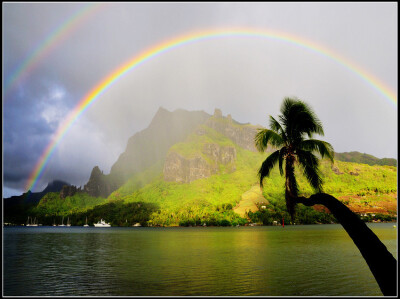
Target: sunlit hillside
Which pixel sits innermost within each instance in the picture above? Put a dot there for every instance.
(210, 177)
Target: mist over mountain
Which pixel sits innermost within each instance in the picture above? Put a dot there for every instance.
(190, 167)
(151, 148)
(146, 148)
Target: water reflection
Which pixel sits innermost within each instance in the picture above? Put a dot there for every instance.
(246, 261)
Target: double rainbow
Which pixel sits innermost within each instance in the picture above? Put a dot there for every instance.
(51, 42)
(171, 44)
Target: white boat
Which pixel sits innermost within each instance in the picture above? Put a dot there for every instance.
(68, 224)
(102, 223)
(34, 223)
(86, 225)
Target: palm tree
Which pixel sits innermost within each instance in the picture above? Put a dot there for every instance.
(297, 122)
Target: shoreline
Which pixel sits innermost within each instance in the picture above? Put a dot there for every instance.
(247, 225)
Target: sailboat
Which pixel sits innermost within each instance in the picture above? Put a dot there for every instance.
(86, 225)
(68, 224)
(31, 223)
(62, 222)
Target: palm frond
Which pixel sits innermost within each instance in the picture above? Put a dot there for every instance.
(307, 121)
(310, 164)
(324, 148)
(276, 126)
(265, 137)
(282, 153)
(267, 166)
(299, 119)
(284, 118)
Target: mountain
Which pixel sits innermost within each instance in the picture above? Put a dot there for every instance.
(364, 158)
(216, 166)
(149, 148)
(192, 168)
(146, 148)
(18, 205)
(34, 197)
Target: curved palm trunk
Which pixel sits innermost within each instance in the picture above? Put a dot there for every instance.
(291, 191)
(380, 261)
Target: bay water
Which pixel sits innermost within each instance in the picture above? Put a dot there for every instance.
(300, 260)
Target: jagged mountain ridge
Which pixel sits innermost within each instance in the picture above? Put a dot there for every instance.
(34, 197)
(146, 148)
(150, 146)
(213, 164)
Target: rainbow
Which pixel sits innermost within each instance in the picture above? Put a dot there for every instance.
(54, 39)
(179, 41)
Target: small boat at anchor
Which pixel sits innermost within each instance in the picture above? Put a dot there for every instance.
(102, 223)
(86, 225)
(31, 223)
(62, 222)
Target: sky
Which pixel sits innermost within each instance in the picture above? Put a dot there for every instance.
(54, 54)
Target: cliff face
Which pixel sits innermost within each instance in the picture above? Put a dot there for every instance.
(241, 134)
(182, 170)
(152, 144)
(210, 157)
(68, 190)
(145, 149)
(185, 170)
(218, 154)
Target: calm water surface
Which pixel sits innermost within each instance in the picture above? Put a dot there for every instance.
(303, 260)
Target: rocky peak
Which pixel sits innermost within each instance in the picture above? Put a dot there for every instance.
(97, 184)
(217, 113)
(152, 144)
(241, 134)
(55, 186)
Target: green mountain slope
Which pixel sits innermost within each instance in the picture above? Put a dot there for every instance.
(358, 157)
(147, 147)
(206, 199)
(207, 174)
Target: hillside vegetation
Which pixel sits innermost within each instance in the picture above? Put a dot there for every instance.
(358, 157)
(209, 177)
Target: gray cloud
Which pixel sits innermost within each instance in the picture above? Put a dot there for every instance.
(245, 77)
